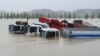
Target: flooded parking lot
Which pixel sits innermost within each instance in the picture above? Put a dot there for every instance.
(30, 45)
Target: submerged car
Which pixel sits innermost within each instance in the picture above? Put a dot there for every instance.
(50, 33)
(37, 27)
(19, 27)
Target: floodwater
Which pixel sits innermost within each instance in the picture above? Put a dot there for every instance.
(29, 45)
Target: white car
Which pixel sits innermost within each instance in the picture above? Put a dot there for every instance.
(50, 32)
(37, 27)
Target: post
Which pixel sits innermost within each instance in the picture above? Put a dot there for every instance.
(27, 19)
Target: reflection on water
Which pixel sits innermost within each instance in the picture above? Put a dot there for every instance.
(30, 45)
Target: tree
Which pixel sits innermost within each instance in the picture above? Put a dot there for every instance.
(6, 15)
(74, 15)
(60, 15)
(55, 15)
(49, 15)
(65, 15)
(36, 15)
(1, 16)
(99, 15)
(86, 16)
(41, 15)
(17, 15)
(69, 15)
(92, 16)
(25, 15)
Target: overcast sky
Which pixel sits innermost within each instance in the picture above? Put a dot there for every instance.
(27, 5)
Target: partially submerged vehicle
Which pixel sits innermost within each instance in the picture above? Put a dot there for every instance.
(78, 28)
(43, 30)
(55, 28)
(34, 29)
(81, 30)
(19, 27)
(23, 27)
(43, 25)
(53, 23)
(37, 27)
(50, 33)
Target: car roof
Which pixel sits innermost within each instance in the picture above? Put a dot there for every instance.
(50, 29)
(35, 25)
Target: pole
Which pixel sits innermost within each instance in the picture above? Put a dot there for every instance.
(27, 19)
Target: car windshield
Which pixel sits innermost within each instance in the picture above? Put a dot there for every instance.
(43, 26)
(52, 34)
(16, 28)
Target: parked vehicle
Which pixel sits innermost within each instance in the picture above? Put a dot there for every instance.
(78, 28)
(49, 28)
(37, 27)
(50, 33)
(81, 32)
(53, 23)
(19, 27)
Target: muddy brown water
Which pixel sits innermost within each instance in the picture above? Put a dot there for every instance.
(29, 45)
